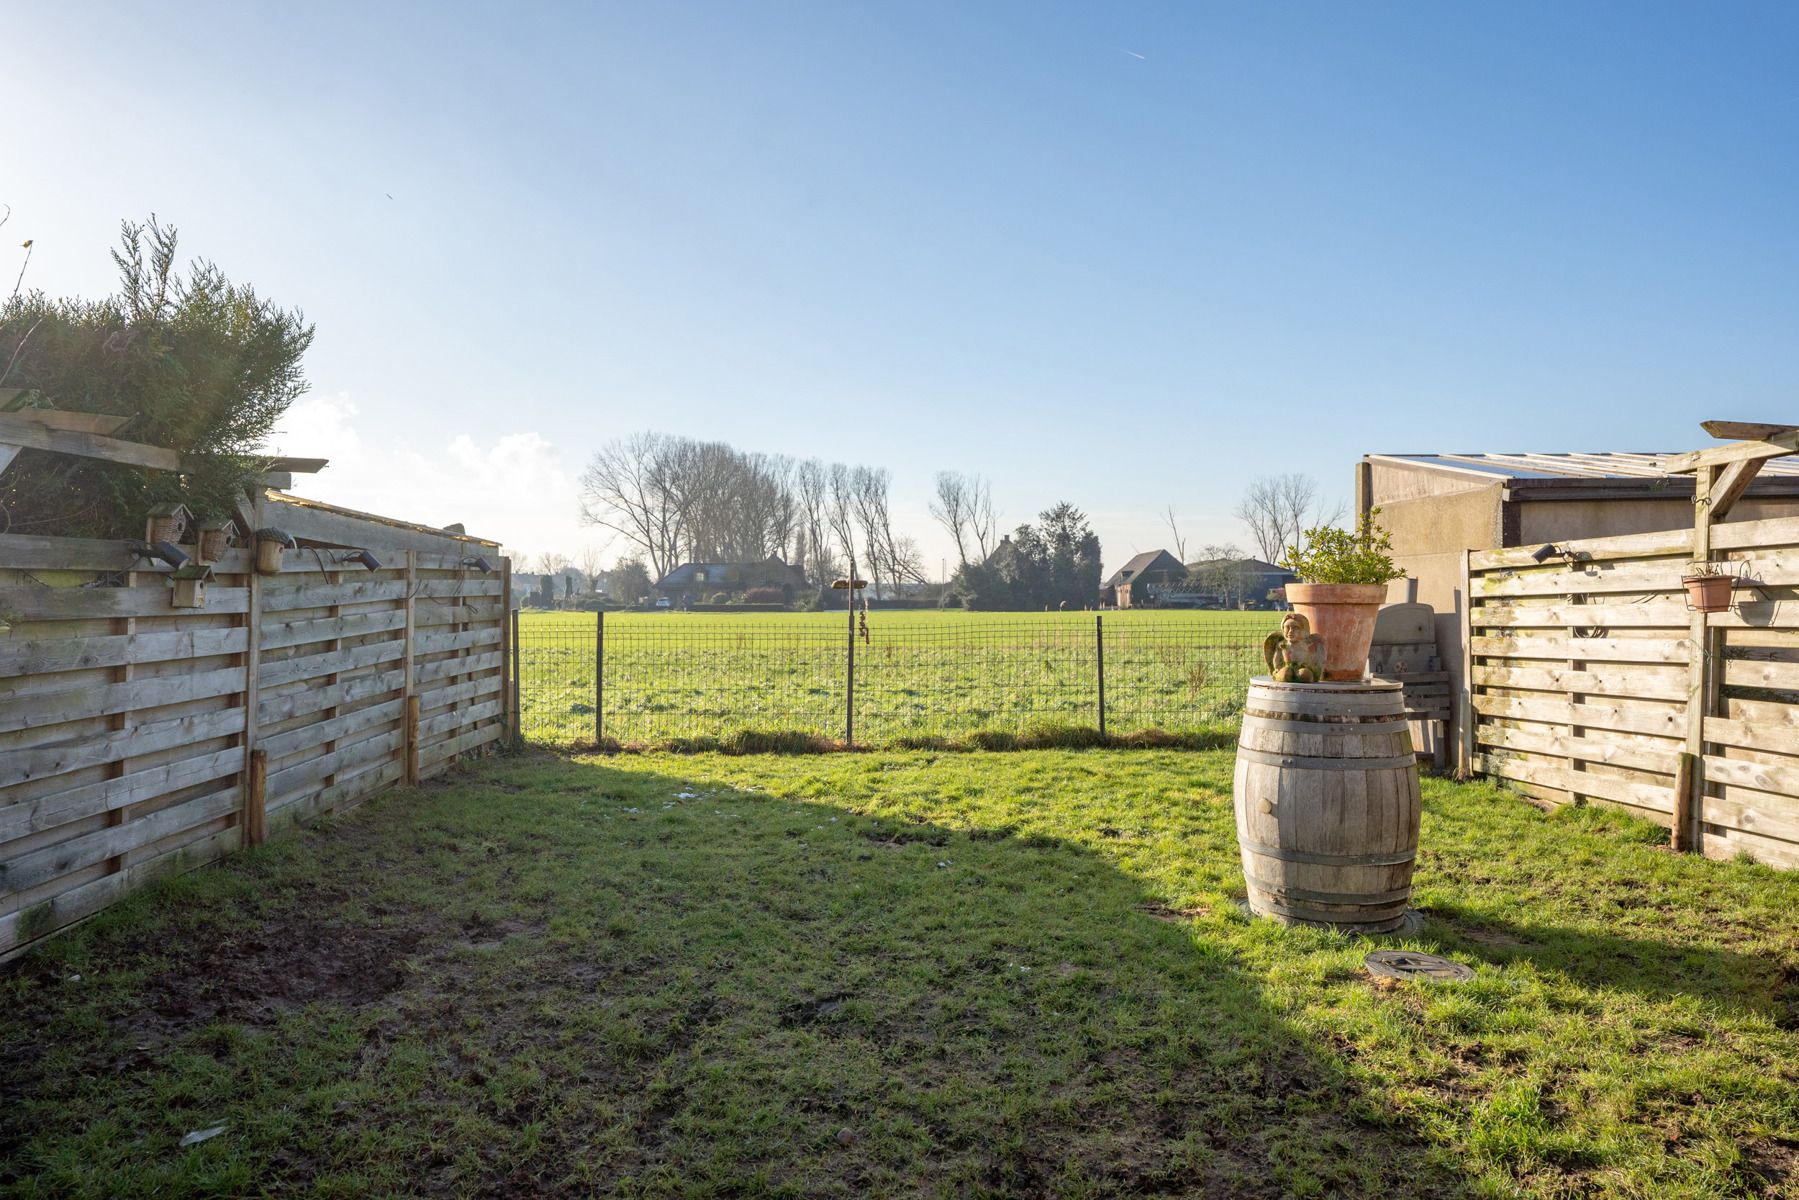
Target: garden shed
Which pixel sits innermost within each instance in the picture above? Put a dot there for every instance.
(1440, 506)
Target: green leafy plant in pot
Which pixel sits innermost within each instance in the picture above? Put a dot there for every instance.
(1343, 582)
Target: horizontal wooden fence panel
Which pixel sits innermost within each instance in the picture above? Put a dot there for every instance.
(1581, 676)
(126, 724)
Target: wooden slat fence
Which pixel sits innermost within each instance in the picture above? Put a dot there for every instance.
(138, 739)
(1580, 677)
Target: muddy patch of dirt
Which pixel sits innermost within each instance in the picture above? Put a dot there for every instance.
(276, 966)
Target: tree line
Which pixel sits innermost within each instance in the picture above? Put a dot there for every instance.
(677, 499)
(673, 499)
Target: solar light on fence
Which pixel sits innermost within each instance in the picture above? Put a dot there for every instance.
(480, 564)
(363, 557)
(166, 552)
(1546, 552)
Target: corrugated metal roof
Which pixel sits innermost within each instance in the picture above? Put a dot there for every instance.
(1609, 464)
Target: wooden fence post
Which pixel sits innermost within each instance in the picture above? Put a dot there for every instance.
(1686, 828)
(256, 807)
(254, 815)
(412, 741)
(1467, 742)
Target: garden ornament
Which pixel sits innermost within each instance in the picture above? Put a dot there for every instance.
(1295, 654)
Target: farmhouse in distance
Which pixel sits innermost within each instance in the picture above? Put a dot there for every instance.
(1157, 579)
(693, 582)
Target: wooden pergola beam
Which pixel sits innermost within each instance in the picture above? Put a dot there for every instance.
(24, 430)
(1730, 484)
(86, 435)
(1775, 445)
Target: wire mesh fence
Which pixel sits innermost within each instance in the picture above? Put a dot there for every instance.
(671, 679)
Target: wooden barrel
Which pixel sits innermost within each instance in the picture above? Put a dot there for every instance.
(1327, 803)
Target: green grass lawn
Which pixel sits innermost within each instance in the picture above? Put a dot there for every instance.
(902, 973)
(952, 675)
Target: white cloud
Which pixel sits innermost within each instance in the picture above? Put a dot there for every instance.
(516, 489)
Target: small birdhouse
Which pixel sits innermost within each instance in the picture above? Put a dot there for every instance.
(190, 585)
(217, 536)
(168, 523)
(269, 544)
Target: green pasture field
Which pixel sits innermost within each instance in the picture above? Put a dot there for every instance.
(674, 678)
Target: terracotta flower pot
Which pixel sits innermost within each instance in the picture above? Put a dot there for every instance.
(1709, 593)
(1343, 614)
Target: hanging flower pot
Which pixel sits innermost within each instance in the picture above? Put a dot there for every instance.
(1708, 588)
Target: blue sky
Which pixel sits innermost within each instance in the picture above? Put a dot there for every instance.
(1123, 255)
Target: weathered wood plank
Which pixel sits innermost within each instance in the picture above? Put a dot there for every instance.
(20, 929)
(280, 745)
(286, 784)
(30, 870)
(435, 757)
(436, 727)
(1655, 614)
(278, 598)
(42, 656)
(1556, 647)
(1617, 752)
(93, 750)
(285, 706)
(1614, 679)
(22, 817)
(466, 665)
(1636, 545)
(1754, 673)
(1619, 715)
(281, 634)
(1766, 737)
(72, 603)
(275, 672)
(439, 643)
(334, 526)
(1650, 800)
(53, 708)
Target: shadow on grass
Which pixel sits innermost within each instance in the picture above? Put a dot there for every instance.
(624, 979)
(1602, 960)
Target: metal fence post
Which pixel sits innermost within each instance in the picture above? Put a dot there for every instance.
(849, 666)
(1099, 649)
(599, 676)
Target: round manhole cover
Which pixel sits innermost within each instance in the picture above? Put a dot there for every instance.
(1409, 964)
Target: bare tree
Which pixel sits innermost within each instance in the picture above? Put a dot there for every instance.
(552, 563)
(592, 567)
(840, 511)
(983, 519)
(812, 533)
(1174, 531)
(950, 509)
(868, 497)
(1278, 508)
(633, 488)
(678, 498)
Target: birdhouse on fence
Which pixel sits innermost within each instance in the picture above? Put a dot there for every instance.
(190, 585)
(217, 536)
(269, 545)
(168, 523)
